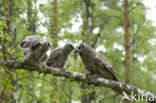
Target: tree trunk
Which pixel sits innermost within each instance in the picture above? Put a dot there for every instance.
(32, 31)
(87, 32)
(31, 18)
(54, 32)
(9, 31)
(55, 24)
(127, 42)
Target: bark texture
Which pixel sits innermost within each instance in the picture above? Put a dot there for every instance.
(75, 76)
(127, 42)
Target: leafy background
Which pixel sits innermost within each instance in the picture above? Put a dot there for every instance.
(21, 18)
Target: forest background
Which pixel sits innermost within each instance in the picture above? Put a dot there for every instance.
(122, 30)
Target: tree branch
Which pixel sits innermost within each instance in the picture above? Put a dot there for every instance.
(75, 76)
(101, 26)
(100, 30)
(132, 8)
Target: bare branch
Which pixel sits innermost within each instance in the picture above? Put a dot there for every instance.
(101, 26)
(132, 8)
(100, 30)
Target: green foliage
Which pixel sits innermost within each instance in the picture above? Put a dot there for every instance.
(14, 27)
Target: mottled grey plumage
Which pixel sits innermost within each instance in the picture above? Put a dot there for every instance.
(30, 41)
(58, 56)
(95, 63)
(35, 50)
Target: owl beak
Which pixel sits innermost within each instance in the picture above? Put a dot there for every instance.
(75, 54)
(49, 44)
(73, 47)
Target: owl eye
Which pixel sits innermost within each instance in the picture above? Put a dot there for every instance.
(79, 47)
(49, 44)
(70, 46)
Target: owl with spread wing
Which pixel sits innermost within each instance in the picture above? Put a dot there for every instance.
(35, 50)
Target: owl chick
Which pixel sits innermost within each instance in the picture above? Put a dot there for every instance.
(58, 56)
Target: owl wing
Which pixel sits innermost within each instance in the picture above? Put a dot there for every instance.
(44, 57)
(27, 52)
(54, 55)
(104, 66)
(30, 41)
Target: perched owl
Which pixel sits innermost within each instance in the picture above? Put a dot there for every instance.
(35, 51)
(95, 63)
(58, 56)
